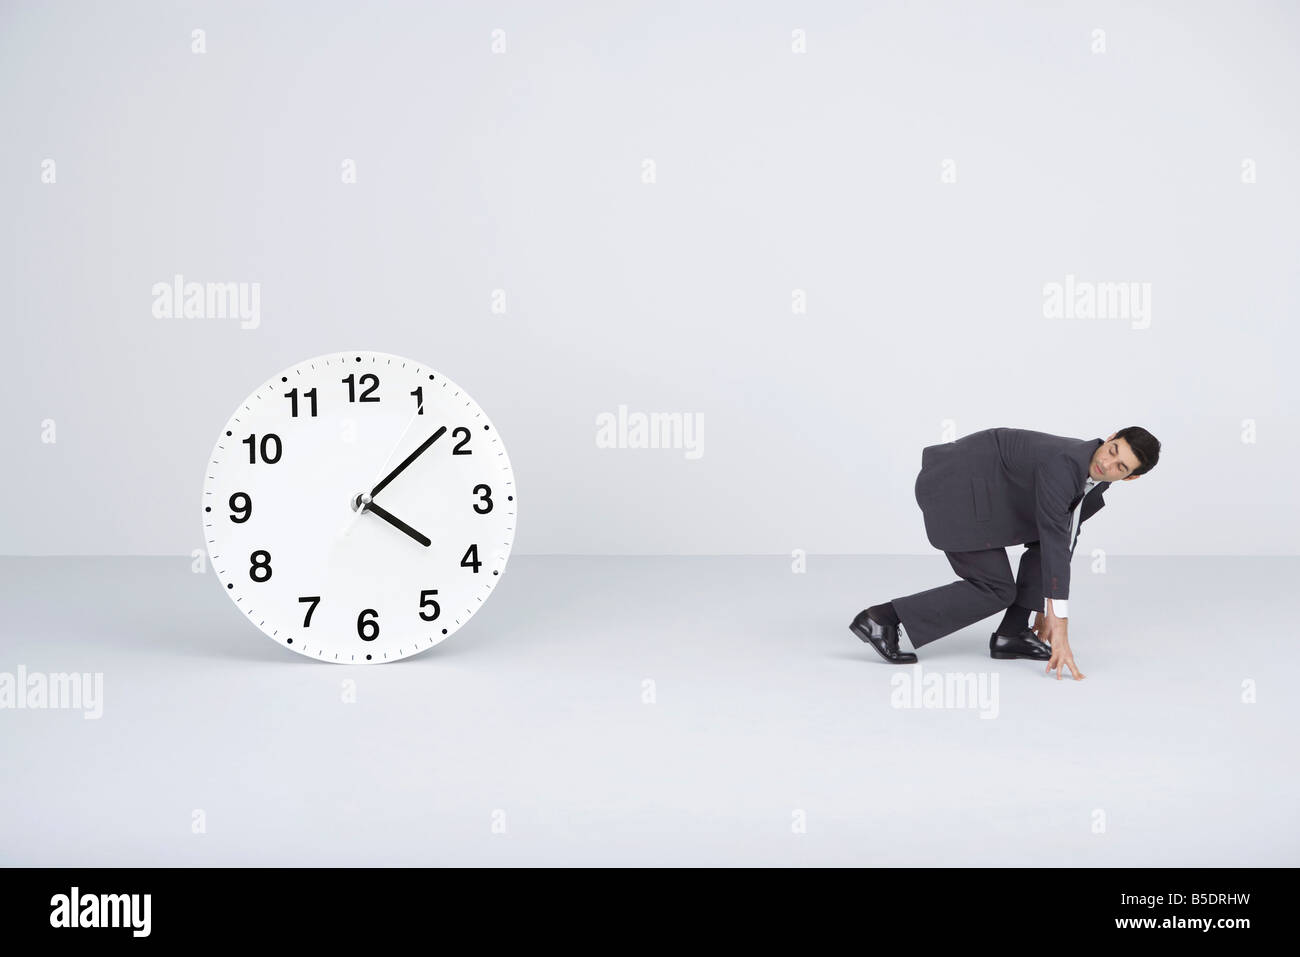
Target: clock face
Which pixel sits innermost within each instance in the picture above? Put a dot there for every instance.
(359, 507)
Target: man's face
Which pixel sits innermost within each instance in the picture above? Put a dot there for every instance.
(1113, 461)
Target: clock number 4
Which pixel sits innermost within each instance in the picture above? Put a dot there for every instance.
(351, 383)
(470, 559)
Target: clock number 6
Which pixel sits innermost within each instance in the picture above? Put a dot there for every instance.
(363, 623)
(426, 600)
(486, 493)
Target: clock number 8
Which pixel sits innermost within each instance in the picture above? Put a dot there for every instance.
(363, 624)
(260, 564)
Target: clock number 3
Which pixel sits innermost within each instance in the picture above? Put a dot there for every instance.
(486, 495)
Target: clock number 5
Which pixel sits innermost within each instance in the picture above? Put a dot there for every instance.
(426, 600)
(364, 623)
(486, 495)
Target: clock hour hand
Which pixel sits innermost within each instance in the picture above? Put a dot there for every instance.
(396, 522)
(407, 461)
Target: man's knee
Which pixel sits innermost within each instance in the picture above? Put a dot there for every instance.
(1006, 592)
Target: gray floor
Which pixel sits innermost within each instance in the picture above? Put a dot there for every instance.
(773, 737)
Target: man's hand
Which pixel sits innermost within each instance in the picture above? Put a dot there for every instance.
(1058, 637)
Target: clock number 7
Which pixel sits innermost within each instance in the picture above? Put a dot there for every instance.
(315, 600)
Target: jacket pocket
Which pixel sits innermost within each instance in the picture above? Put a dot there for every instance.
(980, 493)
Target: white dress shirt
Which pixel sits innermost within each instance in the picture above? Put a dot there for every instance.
(1061, 606)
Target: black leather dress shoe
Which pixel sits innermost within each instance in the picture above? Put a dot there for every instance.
(1024, 645)
(884, 638)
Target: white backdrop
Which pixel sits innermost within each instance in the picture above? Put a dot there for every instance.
(821, 230)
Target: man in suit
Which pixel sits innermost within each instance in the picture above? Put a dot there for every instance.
(1004, 487)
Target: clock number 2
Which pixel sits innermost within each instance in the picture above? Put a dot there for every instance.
(364, 623)
(461, 444)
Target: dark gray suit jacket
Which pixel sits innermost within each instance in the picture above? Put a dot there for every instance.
(1005, 487)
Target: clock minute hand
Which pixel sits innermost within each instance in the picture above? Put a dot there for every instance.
(396, 522)
(408, 460)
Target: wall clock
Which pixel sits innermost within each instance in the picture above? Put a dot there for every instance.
(359, 507)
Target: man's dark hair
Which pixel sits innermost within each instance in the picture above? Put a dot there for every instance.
(1144, 445)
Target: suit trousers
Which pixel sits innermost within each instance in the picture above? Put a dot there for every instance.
(986, 587)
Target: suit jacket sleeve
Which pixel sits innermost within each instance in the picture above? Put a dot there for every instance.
(1054, 485)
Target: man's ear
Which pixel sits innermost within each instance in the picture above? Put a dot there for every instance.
(1130, 478)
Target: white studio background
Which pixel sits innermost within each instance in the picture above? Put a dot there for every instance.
(825, 229)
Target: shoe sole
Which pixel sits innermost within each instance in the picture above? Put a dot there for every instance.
(1012, 654)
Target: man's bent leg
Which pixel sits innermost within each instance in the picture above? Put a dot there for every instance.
(986, 587)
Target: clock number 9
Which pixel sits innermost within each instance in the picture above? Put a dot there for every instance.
(260, 564)
(246, 508)
(426, 600)
(363, 624)
(266, 444)
(487, 499)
